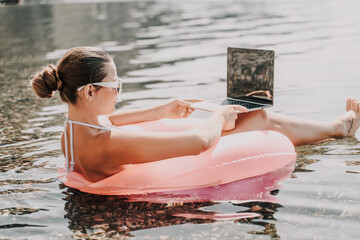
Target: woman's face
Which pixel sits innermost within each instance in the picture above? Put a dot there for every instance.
(106, 97)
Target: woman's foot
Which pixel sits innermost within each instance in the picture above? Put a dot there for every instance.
(351, 119)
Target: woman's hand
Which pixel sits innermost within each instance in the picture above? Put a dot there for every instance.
(230, 114)
(179, 108)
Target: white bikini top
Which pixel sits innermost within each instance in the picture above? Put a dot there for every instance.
(72, 163)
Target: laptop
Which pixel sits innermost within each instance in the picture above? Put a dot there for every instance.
(250, 80)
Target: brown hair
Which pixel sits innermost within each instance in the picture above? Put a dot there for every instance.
(79, 66)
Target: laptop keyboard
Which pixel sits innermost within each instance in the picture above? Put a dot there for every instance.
(243, 103)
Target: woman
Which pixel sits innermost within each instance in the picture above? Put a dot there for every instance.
(86, 79)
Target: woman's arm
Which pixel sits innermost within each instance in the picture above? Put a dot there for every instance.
(174, 109)
(126, 147)
(128, 116)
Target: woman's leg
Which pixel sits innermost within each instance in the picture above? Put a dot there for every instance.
(298, 130)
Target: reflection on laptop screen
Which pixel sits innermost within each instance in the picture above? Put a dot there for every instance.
(250, 74)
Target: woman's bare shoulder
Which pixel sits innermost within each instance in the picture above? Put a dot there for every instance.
(92, 156)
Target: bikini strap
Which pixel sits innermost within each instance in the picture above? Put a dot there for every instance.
(70, 122)
(66, 146)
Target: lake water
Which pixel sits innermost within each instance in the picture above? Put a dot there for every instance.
(170, 49)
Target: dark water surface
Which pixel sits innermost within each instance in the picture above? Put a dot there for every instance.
(169, 49)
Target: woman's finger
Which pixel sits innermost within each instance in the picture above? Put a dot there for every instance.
(183, 102)
(183, 111)
(348, 104)
(189, 111)
(240, 108)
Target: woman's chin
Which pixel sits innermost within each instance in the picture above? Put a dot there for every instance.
(108, 111)
(112, 110)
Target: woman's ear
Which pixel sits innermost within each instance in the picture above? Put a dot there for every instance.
(89, 92)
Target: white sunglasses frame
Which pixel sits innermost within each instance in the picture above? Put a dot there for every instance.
(117, 85)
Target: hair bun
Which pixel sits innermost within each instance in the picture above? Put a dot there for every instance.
(46, 81)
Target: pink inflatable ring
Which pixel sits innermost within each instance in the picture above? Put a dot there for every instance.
(233, 158)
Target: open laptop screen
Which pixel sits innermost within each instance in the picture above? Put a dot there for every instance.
(250, 74)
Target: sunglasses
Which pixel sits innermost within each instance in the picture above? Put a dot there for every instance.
(117, 85)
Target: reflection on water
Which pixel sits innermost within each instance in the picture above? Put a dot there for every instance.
(91, 215)
(109, 216)
(168, 49)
